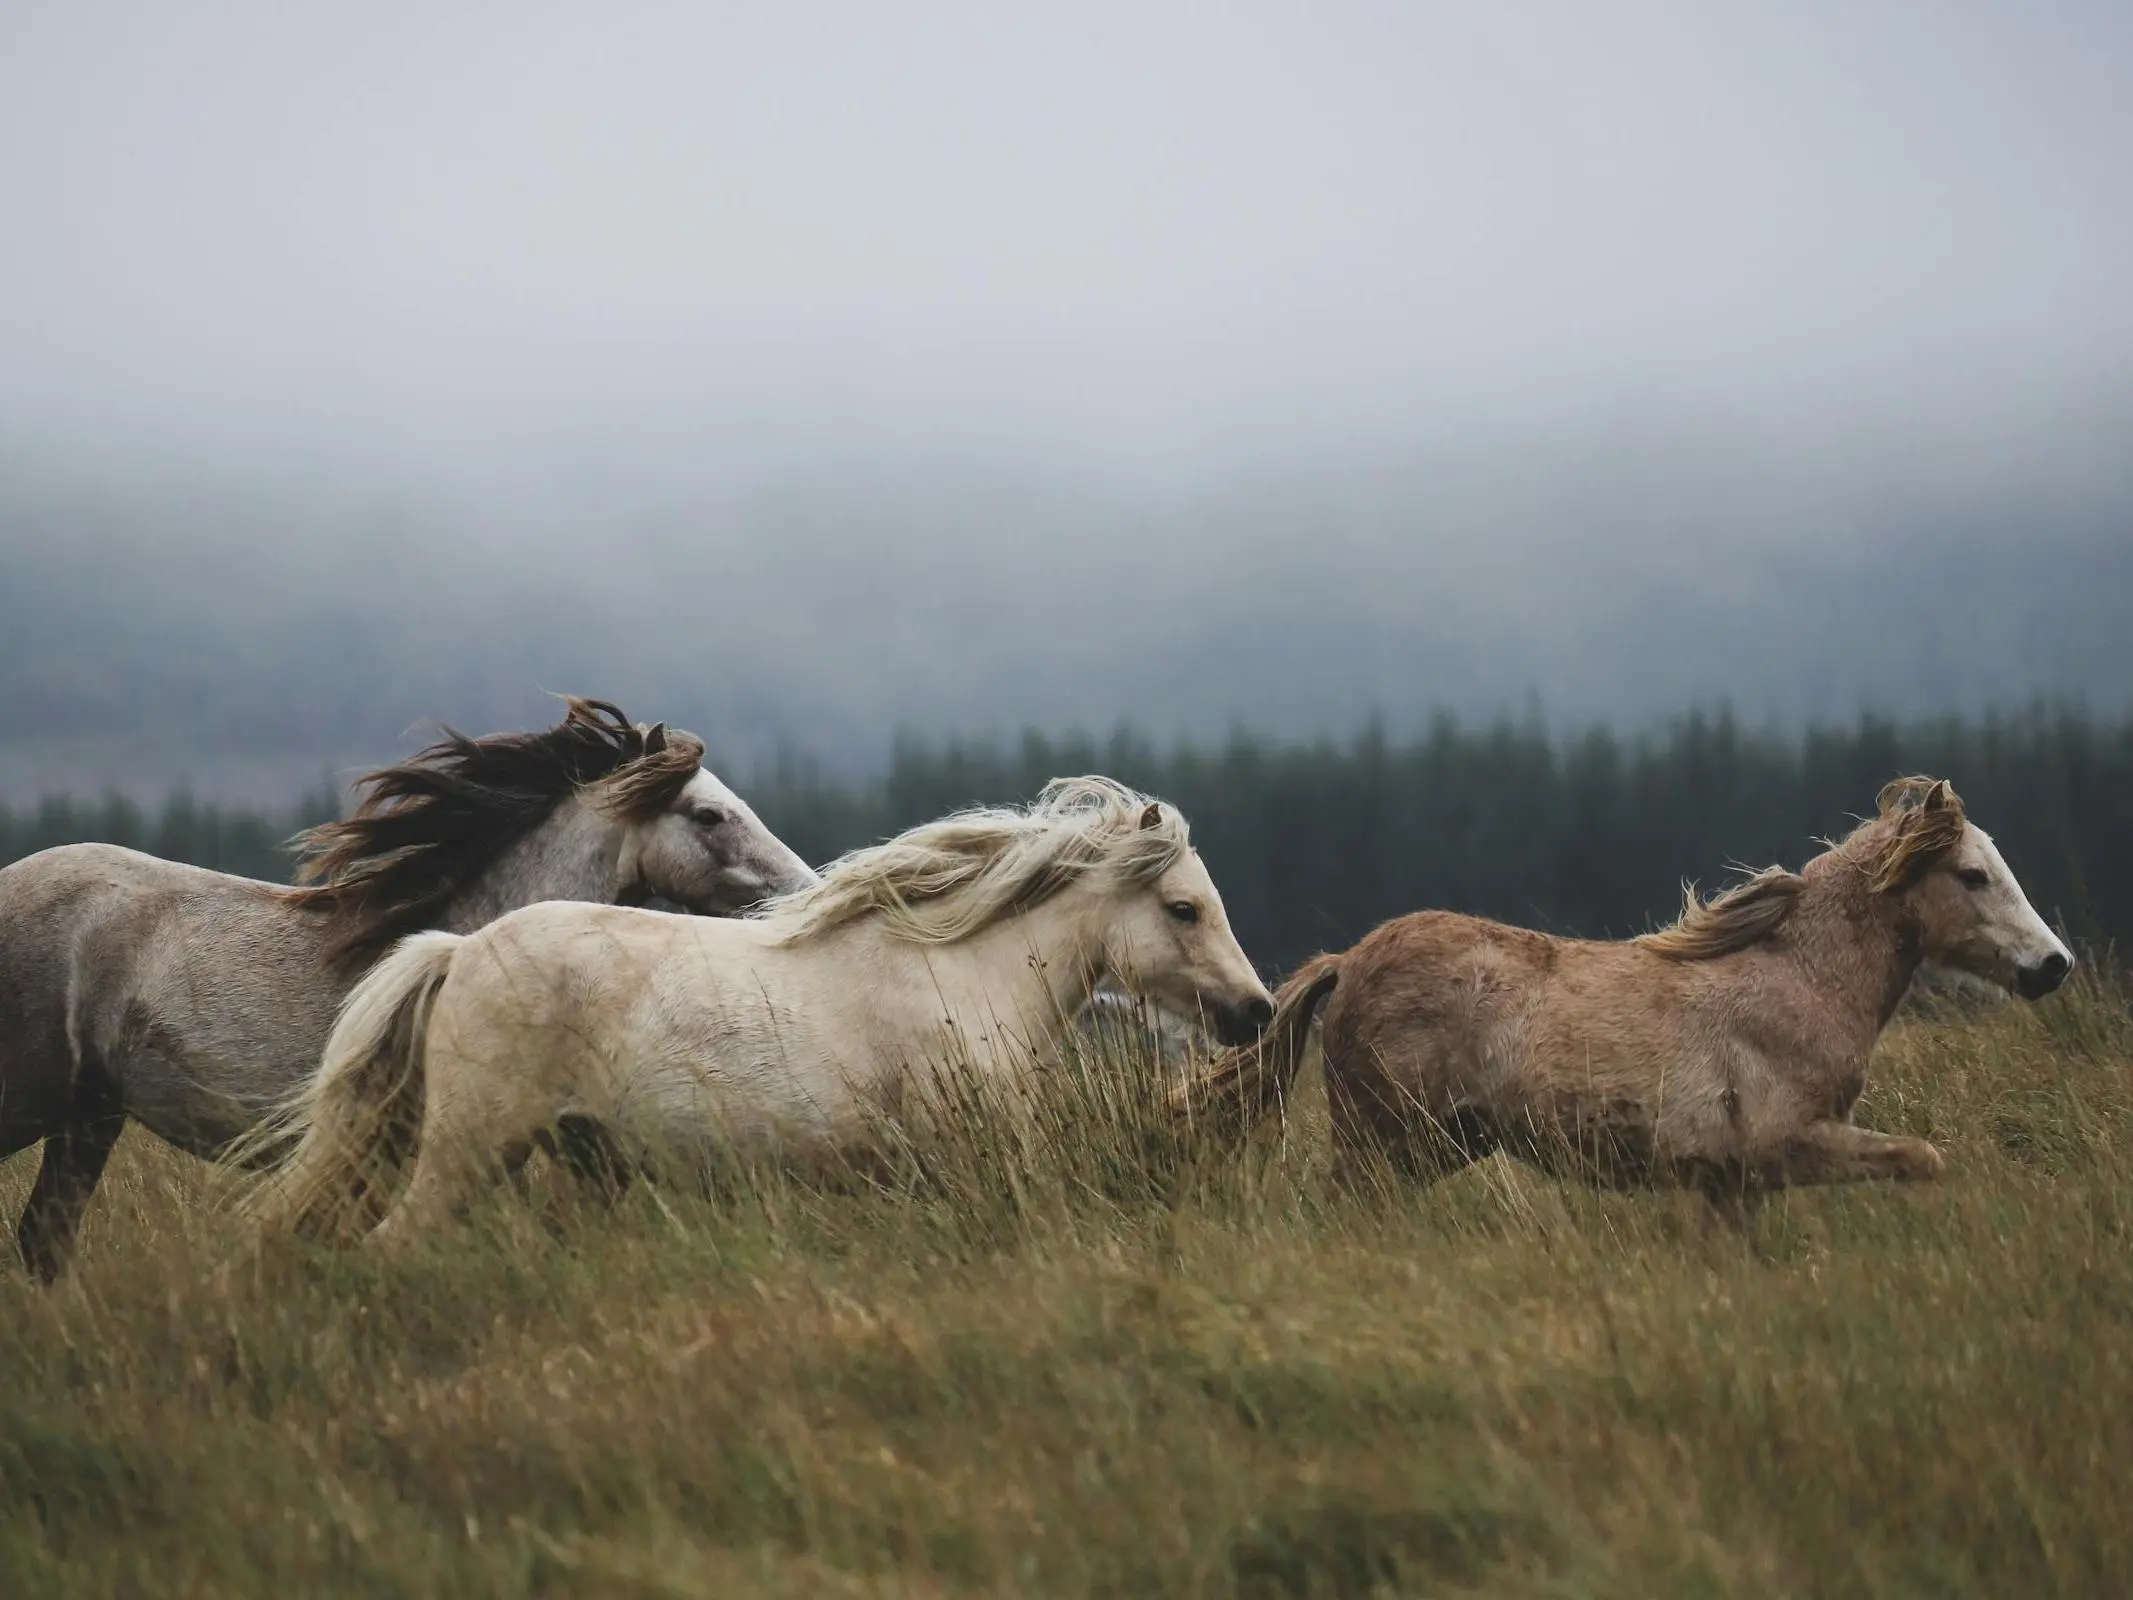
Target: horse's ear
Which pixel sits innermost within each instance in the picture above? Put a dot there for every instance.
(655, 739)
(1153, 816)
(1938, 796)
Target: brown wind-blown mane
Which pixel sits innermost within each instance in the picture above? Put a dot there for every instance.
(1745, 914)
(1917, 821)
(1920, 820)
(426, 828)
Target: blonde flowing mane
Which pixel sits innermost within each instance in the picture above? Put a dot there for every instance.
(1731, 921)
(1916, 822)
(949, 880)
(1920, 820)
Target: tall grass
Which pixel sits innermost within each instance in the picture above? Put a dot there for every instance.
(1049, 1349)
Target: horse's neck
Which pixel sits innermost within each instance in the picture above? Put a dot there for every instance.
(1028, 975)
(572, 854)
(1852, 943)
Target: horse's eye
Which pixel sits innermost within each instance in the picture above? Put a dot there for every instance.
(707, 817)
(1974, 877)
(1183, 911)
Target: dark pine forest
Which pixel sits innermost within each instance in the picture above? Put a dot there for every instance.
(1314, 843)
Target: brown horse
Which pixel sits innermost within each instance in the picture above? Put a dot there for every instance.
(192, 1002)
(1725, 1051)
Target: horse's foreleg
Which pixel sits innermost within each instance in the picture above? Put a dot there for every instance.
(73, 1162)
(1836, 1152)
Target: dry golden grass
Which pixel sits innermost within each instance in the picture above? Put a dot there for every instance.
(1028, 1365)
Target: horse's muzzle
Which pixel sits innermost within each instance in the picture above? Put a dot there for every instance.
(2035, 982)
(1238, 1025)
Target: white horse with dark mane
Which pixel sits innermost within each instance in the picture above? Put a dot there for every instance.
(193, 1002)
(970, 942)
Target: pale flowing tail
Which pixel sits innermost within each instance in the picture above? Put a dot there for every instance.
(358, 1117)
(1228, 1096)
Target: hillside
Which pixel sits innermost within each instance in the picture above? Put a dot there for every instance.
(1086, 1366)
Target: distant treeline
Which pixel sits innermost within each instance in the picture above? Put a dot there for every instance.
(1314, 844)
(252, 844)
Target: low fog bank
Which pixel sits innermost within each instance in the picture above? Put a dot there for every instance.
(248, 632)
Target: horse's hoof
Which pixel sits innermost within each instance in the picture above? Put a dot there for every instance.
(1925, 1163)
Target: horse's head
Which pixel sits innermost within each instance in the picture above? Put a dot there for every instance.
(1169, 938)
(705, 849)
(1958, 894)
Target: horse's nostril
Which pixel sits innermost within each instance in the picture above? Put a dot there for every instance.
(2041, 979)
(1259, 1013)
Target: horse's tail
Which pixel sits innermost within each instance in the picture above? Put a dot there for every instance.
(357, 1118)
(1232, 1092)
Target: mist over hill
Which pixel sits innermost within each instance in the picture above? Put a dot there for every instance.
(247, 634)
(799, 374)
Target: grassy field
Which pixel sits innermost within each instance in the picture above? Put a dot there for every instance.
(1040, 1365)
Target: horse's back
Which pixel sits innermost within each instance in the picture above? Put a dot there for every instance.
(1431, 968)
(73, 886)
(1442, 997)
(650, 1022)
(576, 970)
(189, 989)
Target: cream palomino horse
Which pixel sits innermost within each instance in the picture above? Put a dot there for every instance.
(972, 941)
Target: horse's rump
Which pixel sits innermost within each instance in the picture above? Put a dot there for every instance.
(356, 1121)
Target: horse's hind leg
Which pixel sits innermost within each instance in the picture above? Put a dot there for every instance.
(445, 1185)
(1379, 1126)
(73, 1162)
(469, 1144)
(1414, 1156)
(592, 1156)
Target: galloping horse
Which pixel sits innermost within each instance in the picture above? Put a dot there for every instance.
(1727, 1050)
(193, 1001)
(970, 940)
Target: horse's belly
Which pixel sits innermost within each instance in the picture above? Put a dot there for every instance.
(692, 1103)
(198, 1127)
(1621, 1126)
(184, 1102)
(201, 1081)
(1610, 1138)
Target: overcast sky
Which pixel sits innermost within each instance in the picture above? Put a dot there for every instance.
(970, 364)
(1124, 230)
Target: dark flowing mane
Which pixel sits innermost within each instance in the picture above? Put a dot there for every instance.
(1916, 822)
(426, 828)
